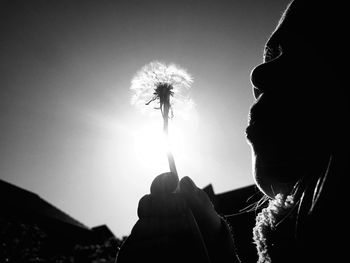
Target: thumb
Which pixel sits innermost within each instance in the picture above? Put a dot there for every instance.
(164, 183)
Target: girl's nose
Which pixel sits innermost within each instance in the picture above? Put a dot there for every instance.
(269, 76)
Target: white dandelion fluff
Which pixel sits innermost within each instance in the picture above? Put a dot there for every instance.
(163, 87)
(156, 83)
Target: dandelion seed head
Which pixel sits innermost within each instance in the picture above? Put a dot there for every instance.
(154, 75)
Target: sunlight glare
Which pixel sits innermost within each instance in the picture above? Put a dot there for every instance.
(150, 146)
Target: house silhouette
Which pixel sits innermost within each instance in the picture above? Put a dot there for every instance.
(61, 230)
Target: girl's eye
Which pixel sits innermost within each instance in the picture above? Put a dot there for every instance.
(272, 53)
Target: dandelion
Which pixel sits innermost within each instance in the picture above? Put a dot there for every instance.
(157, 82)
(165, 88)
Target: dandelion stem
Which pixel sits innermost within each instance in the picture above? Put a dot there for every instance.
(165, 113)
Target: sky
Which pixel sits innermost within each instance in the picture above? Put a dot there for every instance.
(67, 129)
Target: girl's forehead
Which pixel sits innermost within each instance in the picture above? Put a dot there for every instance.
(289, 30)
(280, 30)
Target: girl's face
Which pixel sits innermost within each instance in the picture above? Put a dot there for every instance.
(289, 122)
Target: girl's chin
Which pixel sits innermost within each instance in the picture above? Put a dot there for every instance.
(275, 178)
(272, 188)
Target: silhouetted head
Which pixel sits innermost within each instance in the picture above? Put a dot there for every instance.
(298, 123)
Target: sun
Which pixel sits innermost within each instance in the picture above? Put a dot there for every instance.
(150, 146)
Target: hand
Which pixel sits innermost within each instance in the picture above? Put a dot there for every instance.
(175, 222)
(196, 200)
(202, 208)
(215, 231)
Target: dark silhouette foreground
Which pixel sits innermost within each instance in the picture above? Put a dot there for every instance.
(299, 138)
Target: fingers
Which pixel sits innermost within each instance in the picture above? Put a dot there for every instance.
(155, 227)
(201, 206)
(151, 250)
(164, 183)
(161, 249)
(167, 230)
(168, 205)
(159, 239)
(196, 198)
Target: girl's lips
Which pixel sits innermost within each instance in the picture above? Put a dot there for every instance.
(251, 132)
(256, 108)
(263, 116)
(248, 131)
(253, 117)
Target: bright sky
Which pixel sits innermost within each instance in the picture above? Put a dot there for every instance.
(67, 129)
